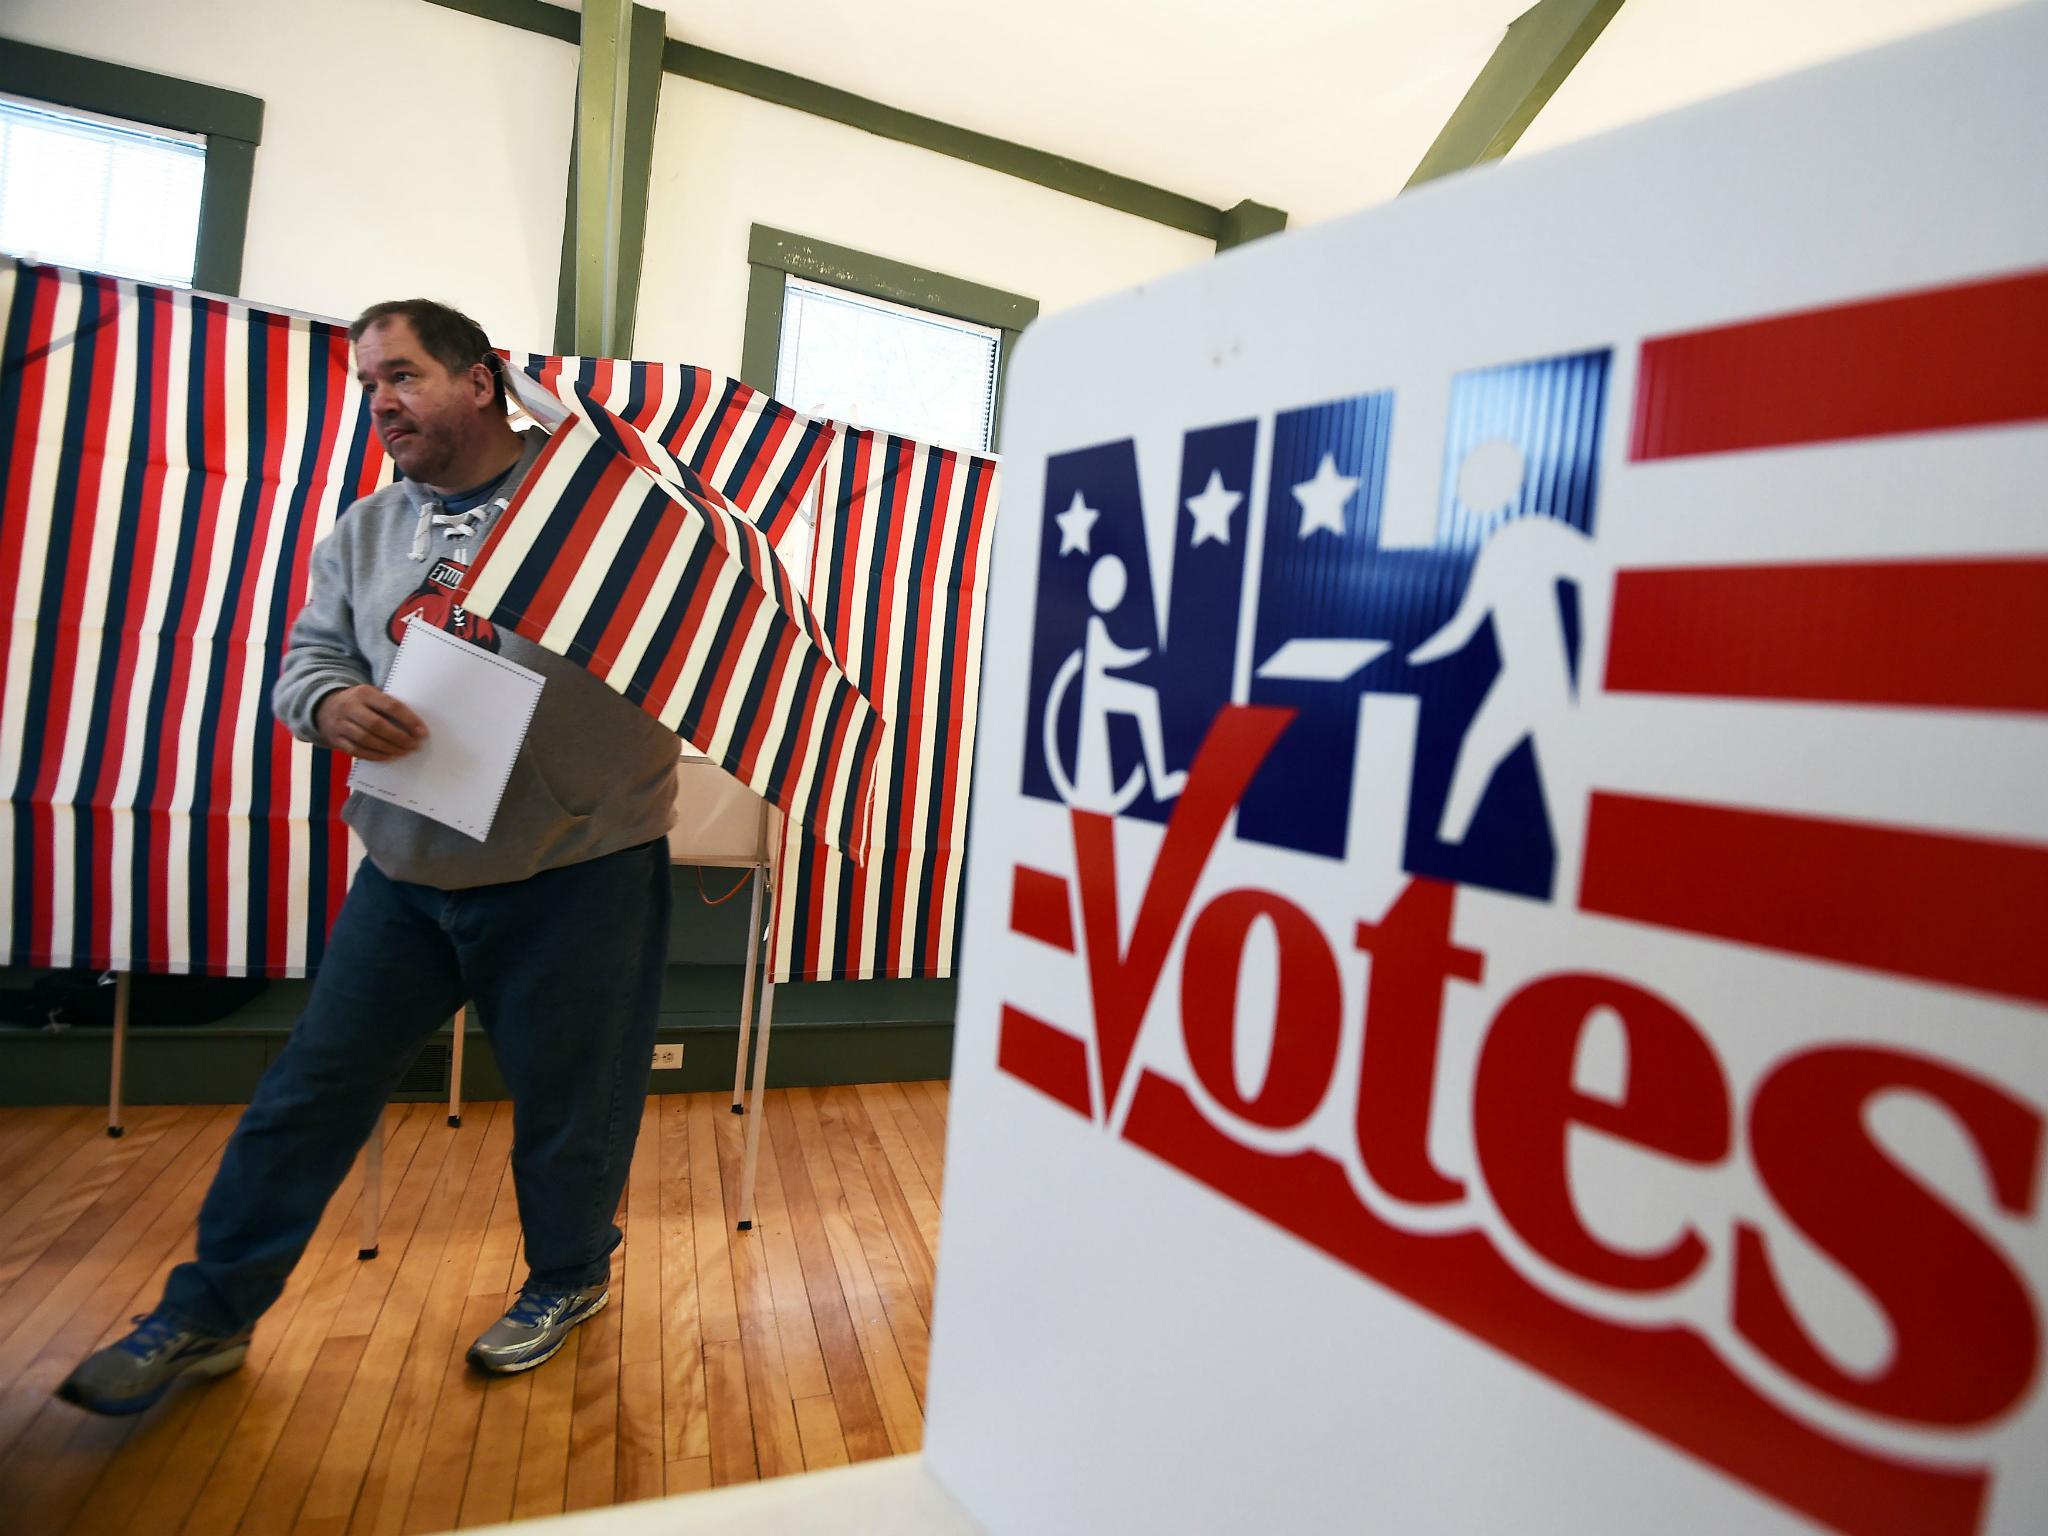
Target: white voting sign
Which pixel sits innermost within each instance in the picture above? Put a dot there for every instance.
(1507, 940)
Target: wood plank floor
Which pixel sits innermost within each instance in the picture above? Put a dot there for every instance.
(724, 1356)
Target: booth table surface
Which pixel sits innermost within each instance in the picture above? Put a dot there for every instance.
(724, 1356)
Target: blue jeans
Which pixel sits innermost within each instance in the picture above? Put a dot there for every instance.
(565, 969)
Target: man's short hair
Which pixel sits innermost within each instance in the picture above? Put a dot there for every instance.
(457, 342)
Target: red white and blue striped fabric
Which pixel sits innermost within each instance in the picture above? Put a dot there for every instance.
(1871, 655)
(899, 577)
(755, 451)
(616, 557)
(167, 462)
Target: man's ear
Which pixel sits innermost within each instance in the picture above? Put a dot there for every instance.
(483, 383)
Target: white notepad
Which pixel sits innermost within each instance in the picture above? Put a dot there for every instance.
(476, 707)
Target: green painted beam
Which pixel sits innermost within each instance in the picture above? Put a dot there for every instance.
(1056, 172)
(1543, 45)
(1074, 178)
(604, 58)
(1249, 221)
(643, 98)
(528, 15)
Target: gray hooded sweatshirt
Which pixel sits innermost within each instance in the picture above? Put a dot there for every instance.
(594, 775)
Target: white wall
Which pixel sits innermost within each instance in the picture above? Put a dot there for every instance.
(1660, 54)
(407, 148)
(725, 162)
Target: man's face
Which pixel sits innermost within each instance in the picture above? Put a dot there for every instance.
(428, 418)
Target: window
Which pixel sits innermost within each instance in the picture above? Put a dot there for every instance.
(98, 164)
(80, 190)
(836, 332)
(886, 365)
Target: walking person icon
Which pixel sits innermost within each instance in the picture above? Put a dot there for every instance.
(1534, 696)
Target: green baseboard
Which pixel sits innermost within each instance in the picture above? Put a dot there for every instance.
(220, 1064)
(826, 1032)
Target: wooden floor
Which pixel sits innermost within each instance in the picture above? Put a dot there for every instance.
(724, 1356)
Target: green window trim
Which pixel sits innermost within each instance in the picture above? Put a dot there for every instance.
(231, 123)
(773, 254)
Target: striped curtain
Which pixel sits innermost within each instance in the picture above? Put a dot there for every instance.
(622, 559)
(167, 462)
(899, 576)
(753, 450)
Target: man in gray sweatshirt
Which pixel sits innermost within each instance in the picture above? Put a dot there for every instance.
(555, 924)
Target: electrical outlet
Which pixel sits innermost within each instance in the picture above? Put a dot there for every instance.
(667, 1057)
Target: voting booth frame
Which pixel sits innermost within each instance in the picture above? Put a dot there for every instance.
(1363, 1122)
(755, 1029)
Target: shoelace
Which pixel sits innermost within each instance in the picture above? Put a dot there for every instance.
(156, 1331)
(532, 1308)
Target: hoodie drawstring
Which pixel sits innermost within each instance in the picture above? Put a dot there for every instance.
(457, 525)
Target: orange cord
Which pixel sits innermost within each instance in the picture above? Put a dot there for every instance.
(719, 901)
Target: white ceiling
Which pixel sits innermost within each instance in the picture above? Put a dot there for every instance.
(1314, 106)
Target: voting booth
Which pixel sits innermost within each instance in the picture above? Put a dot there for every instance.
(1505, 973)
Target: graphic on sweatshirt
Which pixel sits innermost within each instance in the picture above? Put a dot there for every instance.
(436, 600)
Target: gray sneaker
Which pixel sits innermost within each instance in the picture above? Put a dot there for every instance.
(133, 1373)
(535, 1328)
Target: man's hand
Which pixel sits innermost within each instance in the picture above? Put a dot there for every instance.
(368, 724)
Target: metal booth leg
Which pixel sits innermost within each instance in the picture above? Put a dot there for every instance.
(455, 1067)
(755, 1113)
(760, 878)
(373, 1188)
(118, 1071)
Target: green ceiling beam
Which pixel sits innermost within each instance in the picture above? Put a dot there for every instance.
(604, 57)
(783, 89)
(1249, 221)
(1543, 45)
(643, 97)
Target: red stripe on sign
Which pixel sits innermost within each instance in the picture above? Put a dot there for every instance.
(1662, 1377)
(1967, 356)
(1961, 910)
(1049, 1059)
(1039, 908)
(1965, 634)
